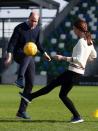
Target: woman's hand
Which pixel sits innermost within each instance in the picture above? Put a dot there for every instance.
(58, 57)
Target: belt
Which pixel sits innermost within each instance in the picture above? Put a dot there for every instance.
(78, 67)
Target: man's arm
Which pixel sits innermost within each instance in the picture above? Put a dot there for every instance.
(41, 49)
(13, 41)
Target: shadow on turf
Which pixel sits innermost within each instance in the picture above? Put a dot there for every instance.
(35, 121)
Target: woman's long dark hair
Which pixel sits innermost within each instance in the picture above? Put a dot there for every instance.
(82, 26)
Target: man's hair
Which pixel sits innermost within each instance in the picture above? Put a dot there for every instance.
(30, 14)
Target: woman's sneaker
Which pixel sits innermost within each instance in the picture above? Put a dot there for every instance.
(76, 120)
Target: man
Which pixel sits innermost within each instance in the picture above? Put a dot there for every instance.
(28, 31)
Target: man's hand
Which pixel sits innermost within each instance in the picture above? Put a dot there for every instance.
(8, 59)
(46, 56)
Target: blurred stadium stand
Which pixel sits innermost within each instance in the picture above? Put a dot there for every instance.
(8, 75)
(58, 37)
(50, 4)
(61, 38)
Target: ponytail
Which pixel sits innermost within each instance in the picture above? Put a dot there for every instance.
(88, 38)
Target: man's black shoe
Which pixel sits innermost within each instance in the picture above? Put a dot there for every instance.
(19, 83)
(22, 115)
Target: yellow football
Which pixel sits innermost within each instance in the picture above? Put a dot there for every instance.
(30, 49)
(95, 114)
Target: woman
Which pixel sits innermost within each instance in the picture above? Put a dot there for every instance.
(83, 51)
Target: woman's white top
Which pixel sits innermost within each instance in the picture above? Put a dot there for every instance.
(81, 53)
